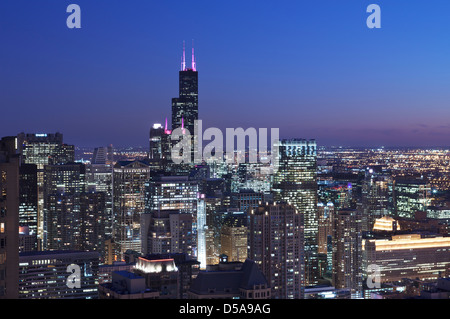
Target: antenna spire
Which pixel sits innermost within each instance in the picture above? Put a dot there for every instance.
(194, 67)
(167, 131)
(183, 60)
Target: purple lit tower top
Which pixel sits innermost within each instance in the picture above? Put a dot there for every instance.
(185, 107)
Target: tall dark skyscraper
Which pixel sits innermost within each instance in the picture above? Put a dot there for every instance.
(9, 218)
(28, 197)
(28, 200)
(185, 107)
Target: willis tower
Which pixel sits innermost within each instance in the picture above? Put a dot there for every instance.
(185, 107)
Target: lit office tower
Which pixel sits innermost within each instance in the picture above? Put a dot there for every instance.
(253, 176)
(75, 215)
(410, 195)
(44, 275)
(43, 149)
(376, 197)
(100, 176)
(233, 237)
(295, 182)
(128, 204)
(9, 218)
(179, 193)
(276, 245)
(325, 213)
(63, 185)
(325, 236)
(70, 178)
(167, 232)
(246, 199)
(347, 252)
(414, 256)
(93, 221)
(63, 221)
(28, 201)
(172, 193)
(159, 153)
(214, 205)
(75, 221)
(185, 107)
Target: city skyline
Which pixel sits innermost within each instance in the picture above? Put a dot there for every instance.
(327, 75)
(136, 160)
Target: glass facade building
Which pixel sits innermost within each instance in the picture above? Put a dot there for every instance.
(295, 183)
(129, 178)
(43, 149)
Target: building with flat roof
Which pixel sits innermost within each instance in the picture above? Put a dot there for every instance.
(187, 267)
(422, 256)
(437, 290)
(126, 285)
(105, 271)
(240, 281)
(9, 217)
(45, 274)
(326, 292)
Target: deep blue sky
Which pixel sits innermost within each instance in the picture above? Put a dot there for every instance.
(311, 68)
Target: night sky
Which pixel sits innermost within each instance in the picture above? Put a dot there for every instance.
(311, 68)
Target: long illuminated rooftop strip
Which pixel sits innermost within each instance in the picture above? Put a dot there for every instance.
(411, 242)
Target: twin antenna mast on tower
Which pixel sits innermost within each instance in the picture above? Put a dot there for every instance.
(183, 59)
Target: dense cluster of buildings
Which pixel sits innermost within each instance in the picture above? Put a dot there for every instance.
(327, 223)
